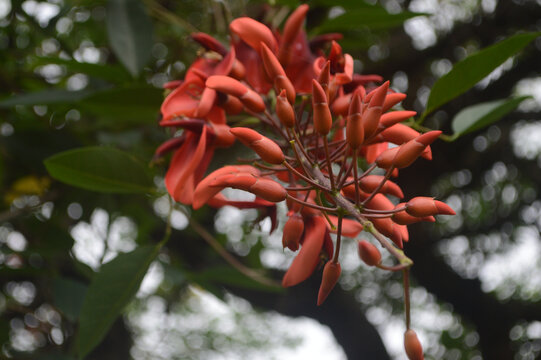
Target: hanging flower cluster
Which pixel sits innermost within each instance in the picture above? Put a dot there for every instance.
(336, 142)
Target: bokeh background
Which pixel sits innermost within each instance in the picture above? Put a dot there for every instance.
(477, 276)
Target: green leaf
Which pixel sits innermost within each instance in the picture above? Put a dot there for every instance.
(45, 97)
(68, 296)
(112, 73)
(130, 33)
(139, 103)
(228, 275)
(481, 115)
(100, 169)
(109, 292)
(372, 17)
(468, 72)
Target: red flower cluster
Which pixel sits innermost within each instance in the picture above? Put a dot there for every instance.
(327, 122)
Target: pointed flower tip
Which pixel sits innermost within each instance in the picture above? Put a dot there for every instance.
(443, 208)
(331, 274)
(429, 137)
(368, 253)
(413, 346)
(266, 148)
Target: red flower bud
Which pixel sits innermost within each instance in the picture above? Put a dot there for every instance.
(389, 119)
(385, 159)
(369, 253)
(370, 120)
(204, 191)
(354, 126)
(292, 233)
(370, 183)
(411, 150)
(276, 73)
(413, 347)
(284, 110)
(264, 188)
(322, 113)
(230, 86)
(253, 33)
(425, 206)
(267, 149)
(391, 100)
(292, 28)
(331, 273)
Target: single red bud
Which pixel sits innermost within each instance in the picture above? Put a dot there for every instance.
(284, 110)
(331, 273)
(276, 73)
(385, 159)
(324, 77)
(354, 126)
(253, 33)
(370, 183)
(400, 134)
(293, 229)
(413, 346)
(204, 191)
(267, 149)
(292, 28)
(264, 188)
(231, 86)
(411, 150)
(370, 120)
(390, 118)
(369, 253)
(391, 100)
(380, 93)
(322, 113)
(425, 206)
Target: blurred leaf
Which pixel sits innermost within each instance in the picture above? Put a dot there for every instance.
(468, 72)
(109, 292)
(228, 275)
(481, 115)
(112, 73)
(130, 33)
(55, 356)
(133, 103)
(372, 17)
(100, 169)
(68, 296)
(45, 97)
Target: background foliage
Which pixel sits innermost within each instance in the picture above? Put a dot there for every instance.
(83, 210)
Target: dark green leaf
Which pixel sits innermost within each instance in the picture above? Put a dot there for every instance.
(45, 97)
(468, 72)
(227, 275)
(113, 73)
(126, 104)
(100, 169)
(481, 115)
(373, 18)
(109, 292)
(68, 296)
(130, 33)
